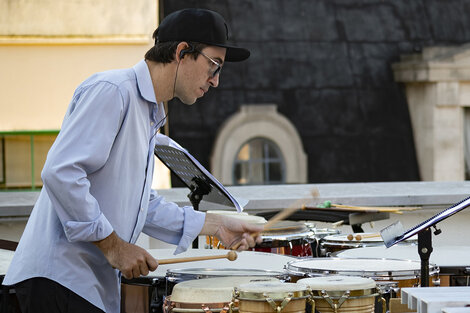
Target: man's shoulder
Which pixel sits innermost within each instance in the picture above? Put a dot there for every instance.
(116, 77)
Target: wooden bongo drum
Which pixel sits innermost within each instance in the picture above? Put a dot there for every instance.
(264, 297)
(341, 294)
(207, 295)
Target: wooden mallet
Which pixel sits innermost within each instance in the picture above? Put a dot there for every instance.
(231, 256)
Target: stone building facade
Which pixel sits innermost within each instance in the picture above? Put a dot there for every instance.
(327, 67)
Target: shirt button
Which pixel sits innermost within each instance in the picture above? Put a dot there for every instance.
(141, 209)
(152, 123)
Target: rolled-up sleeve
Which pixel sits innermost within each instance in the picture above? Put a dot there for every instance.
(81, 148)
(168, 222)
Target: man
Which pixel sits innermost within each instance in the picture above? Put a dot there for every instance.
(96, 197)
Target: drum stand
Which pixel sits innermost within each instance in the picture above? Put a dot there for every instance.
(394, 233)
(424, 251)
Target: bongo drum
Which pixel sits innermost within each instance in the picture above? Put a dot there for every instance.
(205, 295)
(287, 238)
(265, 297)
(338, 294)
(405, 273)
(140, 294)
(453, 261)
(213, 243)
(176, 276)
(332, 244)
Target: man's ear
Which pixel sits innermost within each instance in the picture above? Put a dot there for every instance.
(186, 49)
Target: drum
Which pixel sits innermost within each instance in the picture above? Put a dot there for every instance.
(271, 297)
(338, 294)
(146, 294)
(213, 243)
(287, 238)
(334, 243)
(405, 273)
(453, 261)
(206, 295)
(177, 276)
(318, 236)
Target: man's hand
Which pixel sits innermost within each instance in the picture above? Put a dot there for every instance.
(231, 231)
(133, 261)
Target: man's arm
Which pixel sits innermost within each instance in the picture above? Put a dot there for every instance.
(130, 259)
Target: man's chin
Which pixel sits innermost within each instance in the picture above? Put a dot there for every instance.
(188, 101)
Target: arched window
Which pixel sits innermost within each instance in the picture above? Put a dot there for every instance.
(258, 162)
(258, 133)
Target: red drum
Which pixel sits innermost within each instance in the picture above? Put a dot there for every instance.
(287, 238)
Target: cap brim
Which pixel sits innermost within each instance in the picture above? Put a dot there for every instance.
(235, 54)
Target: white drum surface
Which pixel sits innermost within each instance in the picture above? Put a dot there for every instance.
(253, 219)
(274, 290)
(367, 267)
(338, 282)
(210, 290)
(444, 256)
(5, 259)
(251, 260)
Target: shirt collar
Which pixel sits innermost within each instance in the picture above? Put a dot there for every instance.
(144, 81)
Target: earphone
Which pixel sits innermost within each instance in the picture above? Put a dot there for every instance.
(184, 51)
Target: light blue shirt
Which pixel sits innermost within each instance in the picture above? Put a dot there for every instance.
(97, 178)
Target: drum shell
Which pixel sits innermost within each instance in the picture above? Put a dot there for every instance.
(143, 294)
(453, 261)
(257, 301)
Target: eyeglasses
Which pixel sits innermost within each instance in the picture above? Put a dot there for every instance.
(217, 64)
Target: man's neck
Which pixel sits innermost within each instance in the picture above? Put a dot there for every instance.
(162, 76)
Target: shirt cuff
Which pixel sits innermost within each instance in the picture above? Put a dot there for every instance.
(95, 230)
(193, 223)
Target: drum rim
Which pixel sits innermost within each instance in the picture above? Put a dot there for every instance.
(353, 294)
(287, 236)
(402, 274)
(180, 273)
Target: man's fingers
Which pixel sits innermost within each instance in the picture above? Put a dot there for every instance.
(152, 263)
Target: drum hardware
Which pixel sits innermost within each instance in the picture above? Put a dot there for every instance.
(341, 294)
(395, 233)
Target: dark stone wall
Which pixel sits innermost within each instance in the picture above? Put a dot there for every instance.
(327, 65)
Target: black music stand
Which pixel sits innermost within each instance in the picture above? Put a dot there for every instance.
(394, 234)
(194, 176)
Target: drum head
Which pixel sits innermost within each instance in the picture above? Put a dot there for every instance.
(338, 283)
(198, 273)
(273, 290)
(251, 260)
(286, 227)
(377, 269)
(443, 257)
(211, 290)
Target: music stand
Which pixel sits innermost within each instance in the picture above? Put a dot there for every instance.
(394, 234)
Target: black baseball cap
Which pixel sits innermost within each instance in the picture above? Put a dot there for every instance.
(199, 25)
